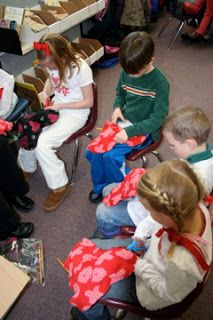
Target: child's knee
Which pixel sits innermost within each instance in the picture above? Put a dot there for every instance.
(101, 212)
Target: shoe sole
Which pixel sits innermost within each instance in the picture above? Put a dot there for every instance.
(49, 209)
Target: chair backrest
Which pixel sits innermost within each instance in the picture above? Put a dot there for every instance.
(91, 121)
(173, 311)
(134, 155)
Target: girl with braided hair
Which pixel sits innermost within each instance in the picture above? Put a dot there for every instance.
(179, 252)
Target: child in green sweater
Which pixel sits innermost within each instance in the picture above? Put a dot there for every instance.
(140, 108)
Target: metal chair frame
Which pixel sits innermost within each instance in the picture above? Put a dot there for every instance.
(85, 130)
(178, 30)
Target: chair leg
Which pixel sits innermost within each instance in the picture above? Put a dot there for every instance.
(75, 162)
(144, 161)
(120, 314)
(157, 155)
(179, 28)
(89, 135)
(165, 25)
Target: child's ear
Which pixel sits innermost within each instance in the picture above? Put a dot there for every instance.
(152, 60)
(192, 144)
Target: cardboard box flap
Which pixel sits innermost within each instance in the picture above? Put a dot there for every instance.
(41, 73)
(92, 42)
(80, 50)
(87, 49)
(13, 281)
(52, 8)
(69, 7)
(80, 4)
(45, 16)
(89, 2)
(38, 83)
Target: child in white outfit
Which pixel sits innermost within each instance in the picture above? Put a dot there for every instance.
(70, 79)
(179, 252)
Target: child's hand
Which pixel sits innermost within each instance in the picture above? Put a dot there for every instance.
(47, 103)
(55, 107)
(138, 246)
(117, 114)
(121, 137)
(140, 242)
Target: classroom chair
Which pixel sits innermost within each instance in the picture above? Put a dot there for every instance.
(152, 148)
(170, 312)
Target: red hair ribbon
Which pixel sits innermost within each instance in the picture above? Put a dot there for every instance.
(208, 200)
(42, 47)
(186, 243)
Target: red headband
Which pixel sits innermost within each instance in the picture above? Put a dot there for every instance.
(42, 47)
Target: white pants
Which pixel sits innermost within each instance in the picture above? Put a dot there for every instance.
(52, 137)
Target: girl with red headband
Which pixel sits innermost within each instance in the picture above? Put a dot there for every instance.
(179, 252)
(70, 80)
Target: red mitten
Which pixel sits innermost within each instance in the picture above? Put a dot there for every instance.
(126, 189)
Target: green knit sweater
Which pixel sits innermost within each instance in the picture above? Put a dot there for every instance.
(144, 101)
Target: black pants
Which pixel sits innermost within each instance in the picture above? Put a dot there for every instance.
(12, 183)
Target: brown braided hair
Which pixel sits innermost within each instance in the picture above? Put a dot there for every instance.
(174, 189)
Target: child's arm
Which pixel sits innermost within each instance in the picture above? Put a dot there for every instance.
(156, 118)
(47, 91)
(146, 228)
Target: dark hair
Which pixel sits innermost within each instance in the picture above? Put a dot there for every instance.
(136, 51)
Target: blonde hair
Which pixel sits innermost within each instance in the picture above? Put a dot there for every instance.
(172, 188)
(188, 123)
(64, 56)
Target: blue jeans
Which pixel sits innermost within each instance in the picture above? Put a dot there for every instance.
(109, 219)
(124, 289)
(106, 167)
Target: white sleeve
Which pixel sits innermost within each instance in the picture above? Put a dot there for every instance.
(172, 285)
(84, 75)
(146, 227)
(7, 101)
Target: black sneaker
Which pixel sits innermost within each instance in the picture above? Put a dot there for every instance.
(22, 230)
(23, 203)
(95, 197)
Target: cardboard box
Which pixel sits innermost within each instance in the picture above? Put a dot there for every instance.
(58, 12)
(13, 281)
(91, 47)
